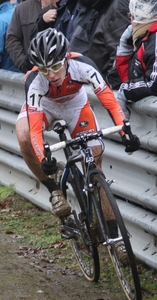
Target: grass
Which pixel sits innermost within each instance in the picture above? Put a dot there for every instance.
(6, 191)
(38, 227)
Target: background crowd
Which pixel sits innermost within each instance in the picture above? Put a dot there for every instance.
(89, 25)
(118, 35)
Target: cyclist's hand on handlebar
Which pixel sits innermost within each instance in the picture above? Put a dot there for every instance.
(49, 167)
(131, 145)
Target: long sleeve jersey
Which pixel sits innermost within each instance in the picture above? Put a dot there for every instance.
(42, 96)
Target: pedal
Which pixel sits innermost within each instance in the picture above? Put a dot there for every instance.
(67, 236)
(67, 232)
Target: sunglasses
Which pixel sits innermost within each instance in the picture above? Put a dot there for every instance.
(54, 68)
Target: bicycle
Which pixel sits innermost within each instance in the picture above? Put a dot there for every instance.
(85, 187)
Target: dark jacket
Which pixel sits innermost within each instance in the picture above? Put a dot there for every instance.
(139, 70)
(18, 35)
(64, 15)
(85, 21)
(103, 45)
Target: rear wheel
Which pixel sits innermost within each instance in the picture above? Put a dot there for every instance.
(114, 236)
(85, 251)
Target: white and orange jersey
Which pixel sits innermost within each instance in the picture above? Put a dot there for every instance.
(69, 101)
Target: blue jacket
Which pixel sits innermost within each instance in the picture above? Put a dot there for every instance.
(6, 11)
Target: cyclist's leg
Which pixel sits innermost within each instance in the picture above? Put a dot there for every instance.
(22, 131)
(60, 206)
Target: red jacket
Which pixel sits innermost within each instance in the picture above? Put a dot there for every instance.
(138, 72)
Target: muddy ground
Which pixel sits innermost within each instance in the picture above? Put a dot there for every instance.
(33, 272)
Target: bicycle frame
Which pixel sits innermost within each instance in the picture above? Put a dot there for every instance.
(88, 163)
(85, 156)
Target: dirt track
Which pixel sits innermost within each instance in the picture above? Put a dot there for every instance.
(23, 278)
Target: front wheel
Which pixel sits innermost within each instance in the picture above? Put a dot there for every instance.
(114, 237)
(85, 252)
(87, 258)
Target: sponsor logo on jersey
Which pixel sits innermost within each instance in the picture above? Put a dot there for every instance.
(85, 131)
(83, 124)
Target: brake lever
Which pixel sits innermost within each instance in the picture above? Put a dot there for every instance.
(127, 129)
(47, 151)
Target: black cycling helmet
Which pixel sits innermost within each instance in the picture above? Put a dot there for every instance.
(47, 48)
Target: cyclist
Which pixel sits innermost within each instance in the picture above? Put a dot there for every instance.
(55, 91)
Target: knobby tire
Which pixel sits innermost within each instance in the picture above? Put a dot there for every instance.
(127, 272)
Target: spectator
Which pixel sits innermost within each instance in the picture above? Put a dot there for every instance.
(98, 31)
(18, 35)
(84, 24)
(59, 20)
(113, 20)
(6, 12)
(137, 54)
(46, 17)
